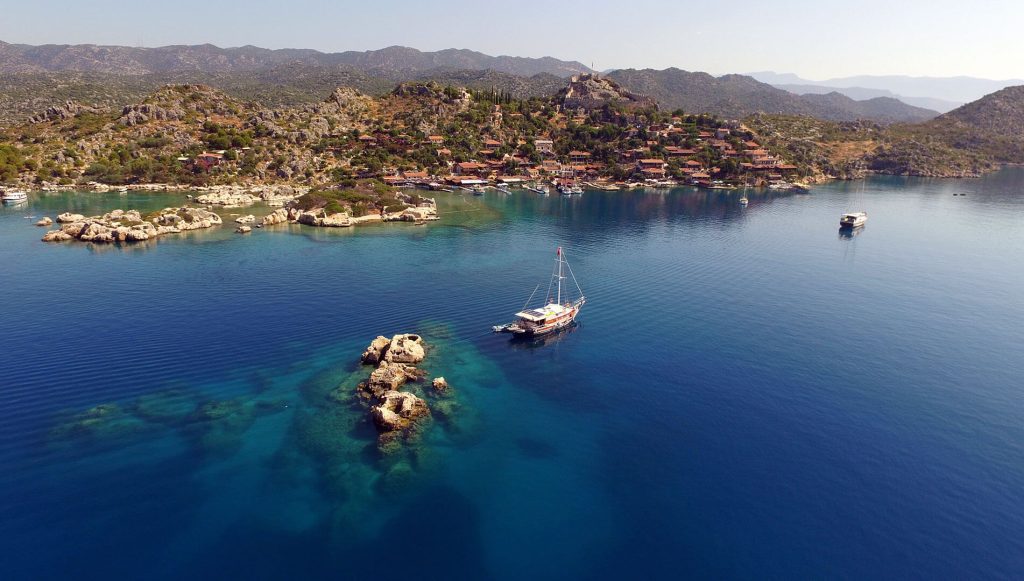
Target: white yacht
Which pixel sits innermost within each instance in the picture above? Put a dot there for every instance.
(853, 220)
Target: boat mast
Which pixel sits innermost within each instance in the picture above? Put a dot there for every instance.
(559, 301)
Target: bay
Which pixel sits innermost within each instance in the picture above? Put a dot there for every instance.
(748, 393)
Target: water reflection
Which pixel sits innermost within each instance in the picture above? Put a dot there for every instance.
(520, 342)
(848, 233)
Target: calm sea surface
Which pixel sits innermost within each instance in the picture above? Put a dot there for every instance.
(747, 394)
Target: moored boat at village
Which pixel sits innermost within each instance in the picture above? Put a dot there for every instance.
(569, 189)
(14, 196)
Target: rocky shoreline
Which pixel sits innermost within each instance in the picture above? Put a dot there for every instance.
(128, 225)
(131, 226)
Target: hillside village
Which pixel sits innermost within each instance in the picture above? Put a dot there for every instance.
(421, 133)
(592, 133)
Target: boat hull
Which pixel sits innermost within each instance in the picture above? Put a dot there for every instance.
(537, 330)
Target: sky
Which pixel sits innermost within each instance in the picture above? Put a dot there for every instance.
(816, 39)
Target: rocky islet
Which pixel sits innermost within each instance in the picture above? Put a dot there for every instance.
(396, 414)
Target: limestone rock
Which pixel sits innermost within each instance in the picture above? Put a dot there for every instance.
(187, 218)
(69, 217)
(276, 217)
(44, 221)
(96, 232)
(375, 352)
(321, 218)
(398, 410)
(227, 199)
(591, 91)
(129, 225)
(56, 236)
(243, 229)
(339, 220)
(60, 112)
(406, 348)
(387, 377)
(249, 219)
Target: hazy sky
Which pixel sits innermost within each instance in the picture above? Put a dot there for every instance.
(816, 39)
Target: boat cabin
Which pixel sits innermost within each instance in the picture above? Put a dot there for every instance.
(544, 313)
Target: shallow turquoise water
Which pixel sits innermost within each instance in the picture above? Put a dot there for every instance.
(748, 393)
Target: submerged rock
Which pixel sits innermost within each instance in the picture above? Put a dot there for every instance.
(439, 384)
(217, 427)
(102, 422)
(170, 407)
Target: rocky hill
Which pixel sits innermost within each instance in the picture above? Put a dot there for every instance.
(837, 106)
(25, 94)
(195, 134)
(831, 149)
(738, 96)
(992, 125)
(207, 58)
(191, 134)
(594, 91)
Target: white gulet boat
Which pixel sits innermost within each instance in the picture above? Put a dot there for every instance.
(555, 314)
(14, 196)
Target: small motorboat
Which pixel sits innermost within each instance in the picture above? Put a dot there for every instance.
(853, 220)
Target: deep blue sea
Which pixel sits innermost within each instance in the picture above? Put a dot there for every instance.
(748, 393)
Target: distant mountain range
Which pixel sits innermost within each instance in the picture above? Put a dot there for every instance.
(35, 77)
(207, 58)
(740, 96)
(942, 94)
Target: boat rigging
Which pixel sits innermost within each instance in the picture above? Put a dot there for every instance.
(555, 314)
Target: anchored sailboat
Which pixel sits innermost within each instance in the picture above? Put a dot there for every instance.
(555, 314)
